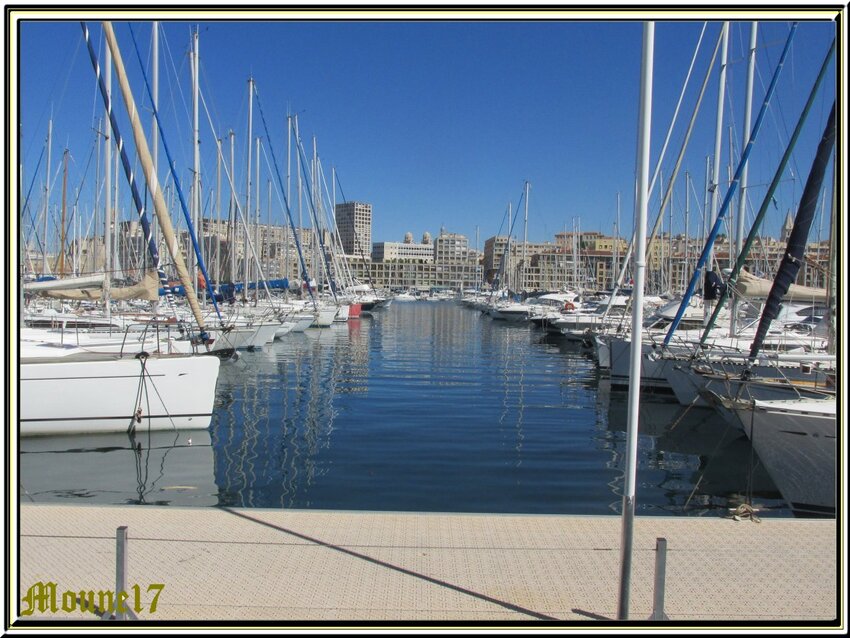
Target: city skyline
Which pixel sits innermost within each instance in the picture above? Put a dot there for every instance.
(553, 102)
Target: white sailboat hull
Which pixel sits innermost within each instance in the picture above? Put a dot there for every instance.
(103, 393)
(796, 441)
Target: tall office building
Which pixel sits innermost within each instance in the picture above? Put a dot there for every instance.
(354, 221)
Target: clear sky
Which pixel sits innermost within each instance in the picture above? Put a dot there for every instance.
(438, 123)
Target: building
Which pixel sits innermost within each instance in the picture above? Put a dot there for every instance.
(354, 222)
(387, 251)
(451, 248)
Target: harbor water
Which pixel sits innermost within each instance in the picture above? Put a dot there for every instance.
(423, 406)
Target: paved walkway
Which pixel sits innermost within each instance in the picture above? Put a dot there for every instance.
(291, 566)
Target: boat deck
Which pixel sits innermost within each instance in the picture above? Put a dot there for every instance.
(300, 566)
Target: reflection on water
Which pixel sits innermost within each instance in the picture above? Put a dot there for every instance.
(148, 468)
(420, 407)
(691, 458)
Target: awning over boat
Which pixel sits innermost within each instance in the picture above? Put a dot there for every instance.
(749, 285)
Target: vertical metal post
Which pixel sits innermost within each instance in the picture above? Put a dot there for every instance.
(120, 568)
(630, 478)
(660, 577)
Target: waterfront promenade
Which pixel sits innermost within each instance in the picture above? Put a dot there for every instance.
(291, 566)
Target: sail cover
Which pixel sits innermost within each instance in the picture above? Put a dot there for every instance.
(146, 289)
(752, 287)
(790, 265)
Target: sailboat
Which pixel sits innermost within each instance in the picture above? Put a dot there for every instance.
(795, 437)
(68, 388)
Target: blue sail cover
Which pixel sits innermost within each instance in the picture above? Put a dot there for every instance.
(227, 291)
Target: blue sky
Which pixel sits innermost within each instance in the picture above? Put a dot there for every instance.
(439, 123)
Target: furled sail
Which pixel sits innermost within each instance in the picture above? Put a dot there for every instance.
(795, 251)
(147, 289)
(748, 285)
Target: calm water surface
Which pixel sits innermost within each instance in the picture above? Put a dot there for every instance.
(425, 406)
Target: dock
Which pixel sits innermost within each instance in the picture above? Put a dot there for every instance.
(312, 566)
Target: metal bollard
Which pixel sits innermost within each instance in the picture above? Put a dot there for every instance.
(120, 567)
(660, 575)
(121, 574)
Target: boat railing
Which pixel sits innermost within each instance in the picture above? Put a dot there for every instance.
(160, 331)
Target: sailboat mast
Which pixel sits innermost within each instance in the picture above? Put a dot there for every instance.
(196, 171)
(218, 211)
(616, 267)
(257, 225)
(288, 192)
(718, 139)
(60, 262)
(116, 263)
(231, 227)
(524, 240)
(742, 201)
(248, 189)
(832, 285)
(687, 259)
(153, 184)
(154, 121)
(107, 218)
(155, 79)
(637, 320)
(44, 267)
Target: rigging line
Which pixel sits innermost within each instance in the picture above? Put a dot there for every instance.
(26, 201)
(751, 237)
(236, 202)
(180, 92)
(795, 170)
(340, 266)
(356, 241)
(304, 273)
(191, 229)
(80, 187)
(336, 175)
(732, 188)
(625, 265)
(299, 146)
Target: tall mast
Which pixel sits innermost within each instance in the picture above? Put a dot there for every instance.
(266, 248)
(616, 243)
(153, 184)
(218, 211)
(107, 219)
(637, 320)
(286, 239)
(831, 287)
(257, 226)
(155, 122)
(231, 227)
(60, 267)
(196, 172)
(687, 266)
(247, 235)
(44, 267)
(718, 138)
(742, 201)
(92, 265)
(298, 174)
(524, 239)
(116, 263)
